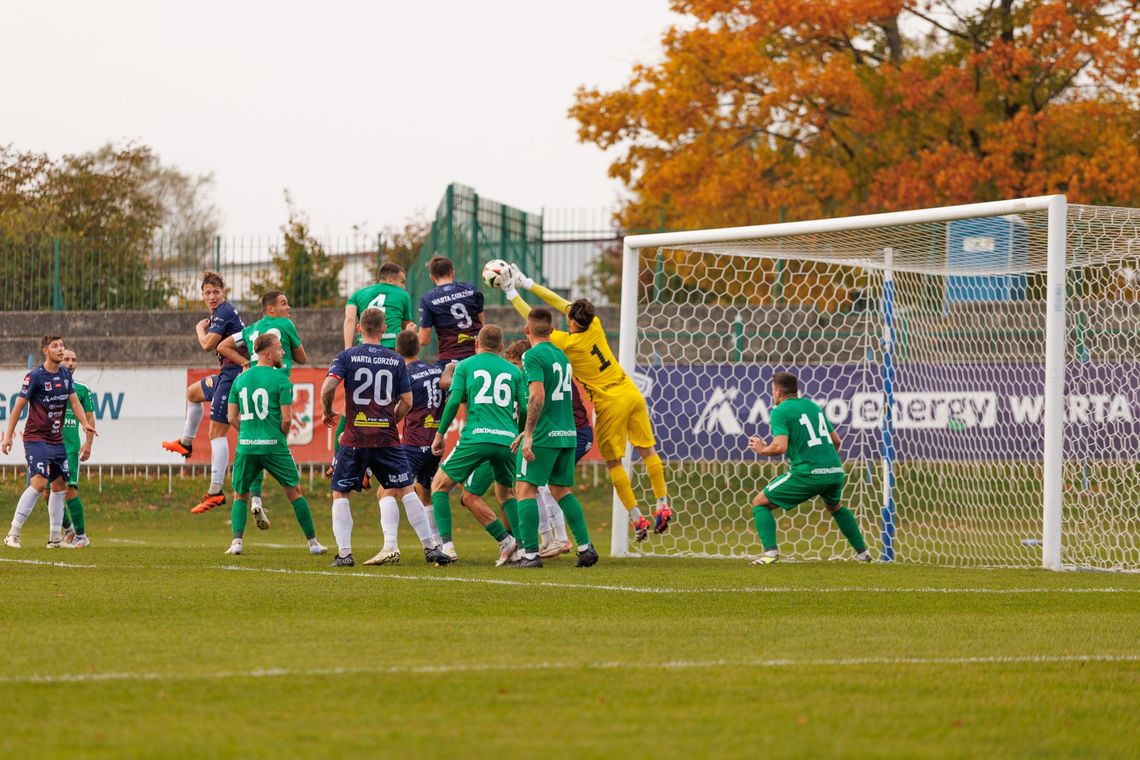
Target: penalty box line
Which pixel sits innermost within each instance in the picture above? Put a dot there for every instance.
(112, 676)
(667, 590)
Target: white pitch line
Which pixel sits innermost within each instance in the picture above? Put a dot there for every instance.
(42, 562)
(860, 662)
(125, 541)
(661, 590)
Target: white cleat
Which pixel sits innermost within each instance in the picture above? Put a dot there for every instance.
(555, 548)
(234, 549)
(69, 536)
(56, 544)
(316, 549)
(385, 558)
(78, 542)
(12, 541)
(260, 517)
(864, 556)
(506, 550)
(449, 550)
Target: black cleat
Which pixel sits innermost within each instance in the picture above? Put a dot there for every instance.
(535, 561)
(343, 561)
(588, 557)
(436, 556)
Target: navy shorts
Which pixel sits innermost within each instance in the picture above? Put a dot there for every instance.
(46, 459)
(388, 465)
(422, 463)
(585, 443)
(216, 389)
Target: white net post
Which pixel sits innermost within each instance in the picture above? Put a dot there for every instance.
(1005, 431)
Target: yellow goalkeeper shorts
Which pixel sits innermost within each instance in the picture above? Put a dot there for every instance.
(622, 418)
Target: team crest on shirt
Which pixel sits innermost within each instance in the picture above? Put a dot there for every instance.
(47, 386)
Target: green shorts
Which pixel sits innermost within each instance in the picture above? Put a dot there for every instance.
(73, 468)
(792, 489)
(479, 480)
(466, 458)
(278, 462)
(551, 466)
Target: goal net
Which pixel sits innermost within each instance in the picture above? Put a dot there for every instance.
(980, 363)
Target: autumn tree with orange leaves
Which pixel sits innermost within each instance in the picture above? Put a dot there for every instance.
(860, 106)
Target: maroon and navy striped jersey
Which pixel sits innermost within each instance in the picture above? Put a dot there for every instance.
(374, 379)
(47, 394)
(455, 310)
(422, 423)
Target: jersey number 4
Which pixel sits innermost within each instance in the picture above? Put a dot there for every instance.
(824, 435)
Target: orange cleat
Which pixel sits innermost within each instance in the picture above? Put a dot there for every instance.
(178, 448)
(209, 501)
(661, 519)
(641, 529)
(366, 483)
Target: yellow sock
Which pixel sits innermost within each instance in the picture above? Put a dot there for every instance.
(656, 472)
(620, 480)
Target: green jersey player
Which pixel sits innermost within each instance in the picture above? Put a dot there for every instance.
(800, 429)
(548, 441)
(388, 295)
(494, 393)
(261, 410)
(75, 533)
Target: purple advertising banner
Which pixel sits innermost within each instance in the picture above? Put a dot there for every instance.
(944, 412)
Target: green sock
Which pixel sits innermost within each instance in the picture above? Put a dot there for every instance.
(340, 425)
(850, 527)
(528, 524)
(441, 505)
(496, 529)
(765, 526)
(238, 514)
(75, 509)
(511, 510)
(301, 510)
(575, 518)
(66, 517)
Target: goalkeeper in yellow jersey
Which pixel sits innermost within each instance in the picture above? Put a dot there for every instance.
(621, 414)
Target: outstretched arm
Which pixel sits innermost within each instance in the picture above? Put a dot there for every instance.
(520, 280)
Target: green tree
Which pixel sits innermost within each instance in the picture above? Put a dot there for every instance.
(301, 267)
(403, 244)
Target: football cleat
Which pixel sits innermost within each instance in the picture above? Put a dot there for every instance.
(588, 557)
(234, 549)
(209, 501)
(69, 535)
(450, 552)
(641, 529)
(436, 556)
(385, 558)
(316, 549)
(767, 559)
(79, 542)
(535, 561)
(260, 516)
(366, 484)
(177, 447)
(661, 518)
(56, 544)
(506, 549)
(12, 542)
(346, 561)
(555, 548)
(864, 556)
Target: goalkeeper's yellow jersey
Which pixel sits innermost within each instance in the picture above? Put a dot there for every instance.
(594, 364)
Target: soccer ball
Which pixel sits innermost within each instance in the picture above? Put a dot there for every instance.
(494, 271)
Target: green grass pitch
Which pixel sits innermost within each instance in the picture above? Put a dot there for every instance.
(153, 644)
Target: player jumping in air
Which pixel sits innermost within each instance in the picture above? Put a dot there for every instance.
(222, 322)
(276, 321)
(494, 393)
(619, 408)
(546, 445)
(47, 391)
(260, 409)
(74, 525)
(800, 430)
(377, 395)
(454, 309)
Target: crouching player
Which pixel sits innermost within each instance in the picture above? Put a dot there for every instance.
(261, 411)
(377, 395)
(800, 429)
(548, 441)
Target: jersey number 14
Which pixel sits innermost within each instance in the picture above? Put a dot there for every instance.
(824, 434)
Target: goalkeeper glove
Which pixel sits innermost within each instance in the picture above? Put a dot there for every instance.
(520, 279)
(510, 292)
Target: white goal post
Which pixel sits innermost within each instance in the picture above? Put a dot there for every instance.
(937, 340)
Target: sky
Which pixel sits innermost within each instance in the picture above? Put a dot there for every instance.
(364, 111)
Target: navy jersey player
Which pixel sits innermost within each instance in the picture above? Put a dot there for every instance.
(454, 309)
(223, 322)
(422, 421)
(377, 396)
(47, 392)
